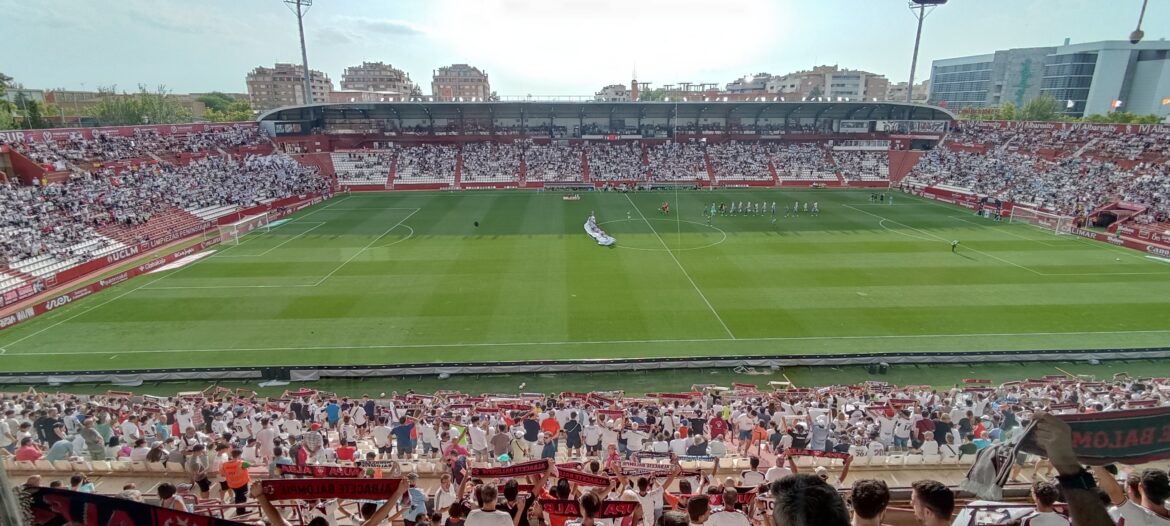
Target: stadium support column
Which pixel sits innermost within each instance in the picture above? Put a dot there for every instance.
(302, 8)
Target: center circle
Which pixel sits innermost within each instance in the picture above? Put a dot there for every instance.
(656, 243)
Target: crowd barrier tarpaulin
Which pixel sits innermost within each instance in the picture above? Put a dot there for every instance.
(62, 507)
(534, 467)
(610, 509)
(1132, 436)
(335, 488)
(321, 471)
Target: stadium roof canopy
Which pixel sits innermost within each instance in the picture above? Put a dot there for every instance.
(621, 110)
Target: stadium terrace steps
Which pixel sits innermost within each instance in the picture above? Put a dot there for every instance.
(393, 173)
(459, 169)
(213, 212)
(711, 168)
(174, 219)
(772, 171)
(362, 168)
(48, 265)
(585, 167)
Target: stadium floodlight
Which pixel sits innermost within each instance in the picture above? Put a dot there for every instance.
(921, 5)
(302, 8)
(1137, 34)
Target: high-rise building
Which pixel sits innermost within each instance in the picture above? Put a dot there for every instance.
(283, 85)
(1088, 79)
(614, 93)
(750, 84)
(376, 76)
(830, 82)
(460, 82)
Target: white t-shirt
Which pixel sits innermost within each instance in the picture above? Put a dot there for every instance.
(752, 478)
(1045, 518)
(649, 502)
(727, 518)
(488, 518)
(776, 473)
(1132, 514)
(381, 436)
(930, 447)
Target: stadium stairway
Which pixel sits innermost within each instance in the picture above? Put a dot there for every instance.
(522, 182)
(459, 169)
(901, 162)
(711, 169)
(393, 172)
(585, 167)
(172, 220)
(772, 172)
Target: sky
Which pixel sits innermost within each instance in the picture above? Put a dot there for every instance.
(528, 47)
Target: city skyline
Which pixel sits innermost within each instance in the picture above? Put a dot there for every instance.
(527, 47)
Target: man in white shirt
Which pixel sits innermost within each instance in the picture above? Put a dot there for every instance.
(679, 445)
(1044, 494)
(649, 495)
(592, 438)
(778, 471)
(728, 516)
(1154, 488)
(381, 434)
(753, 476)
(479, 444)
(634, 438)
(488, 515)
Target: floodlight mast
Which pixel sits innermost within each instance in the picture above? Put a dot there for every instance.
(302, 8)
(920, 15)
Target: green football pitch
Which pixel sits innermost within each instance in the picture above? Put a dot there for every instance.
(409, 278)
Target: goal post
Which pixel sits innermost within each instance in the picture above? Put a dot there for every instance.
(1056, 223)
(230, 234)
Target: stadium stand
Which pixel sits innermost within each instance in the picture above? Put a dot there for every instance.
(363, 167)
(616, 162)
(709, 440)
(677, 162)
(122, 190)
(803, 161)
(863, 165)
(736, 161)
(427, 164)
(1072, 171)
(491, 163)
(553, 162)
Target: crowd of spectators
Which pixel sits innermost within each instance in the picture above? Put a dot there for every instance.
(427, 163)
(739, 161)
(552, 162)
(104, 146)
(491, 162)
(675, 161)
(366, 166)
(802, 161)
(215, 437)
(615, 162)
(862, 164)
(55, 218)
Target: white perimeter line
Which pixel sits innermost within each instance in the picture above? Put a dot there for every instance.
(319, 224)
(363, 249)
(1004, 231)
(680, 267)
(603, 342)
(977, 251)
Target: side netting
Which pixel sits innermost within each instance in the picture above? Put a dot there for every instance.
(231, 234)
(1056, 223)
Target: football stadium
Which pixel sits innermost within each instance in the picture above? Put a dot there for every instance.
(756, 305)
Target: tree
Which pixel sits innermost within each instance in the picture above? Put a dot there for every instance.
(144, 107)
(1042, 108)
(216, 101)
(1007, 112)
(816, 92)
(236, 111)
(32, 110)
(653, 95)
(5, 107)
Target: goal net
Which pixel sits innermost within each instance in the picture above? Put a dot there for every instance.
(231, 234)
(1055, 223)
